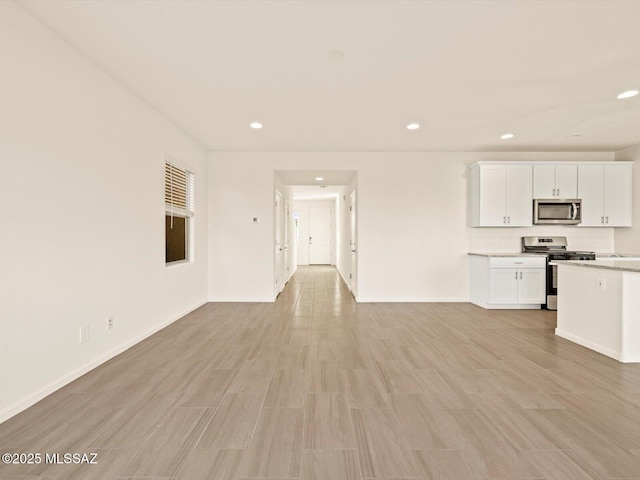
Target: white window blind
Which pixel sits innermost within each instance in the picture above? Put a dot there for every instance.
(179, 191)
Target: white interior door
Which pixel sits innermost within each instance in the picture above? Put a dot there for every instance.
(353, 243)
(319, 235)
(279, 280)
(287, 220)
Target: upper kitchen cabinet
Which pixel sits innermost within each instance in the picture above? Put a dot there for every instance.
(605, 190)
(500, 195)
(555, 181)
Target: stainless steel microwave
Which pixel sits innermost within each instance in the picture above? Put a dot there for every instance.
(557, 211)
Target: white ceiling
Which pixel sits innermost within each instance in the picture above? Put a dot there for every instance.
(308, 177)
(306, 187)
(311, 192)
(467, 71)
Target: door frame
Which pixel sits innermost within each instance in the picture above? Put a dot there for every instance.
(353, 244)
(278, 280)
(287, 220)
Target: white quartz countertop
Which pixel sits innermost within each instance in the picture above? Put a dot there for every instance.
(484, 254)
(613, 264)
(617, 255)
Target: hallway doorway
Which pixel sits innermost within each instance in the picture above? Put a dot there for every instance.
(321, 221)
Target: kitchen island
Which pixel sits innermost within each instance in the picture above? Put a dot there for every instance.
(599, 306)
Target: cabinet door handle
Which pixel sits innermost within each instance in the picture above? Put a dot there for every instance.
(520, 275)
(554, 193)
(606, 219)
(558, 192)
(504, 219)
(508, 219)
(516, 275)
(601, 219)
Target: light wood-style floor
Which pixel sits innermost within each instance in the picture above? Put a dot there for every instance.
(316, 386)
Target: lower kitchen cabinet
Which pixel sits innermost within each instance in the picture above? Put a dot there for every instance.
(508, 282)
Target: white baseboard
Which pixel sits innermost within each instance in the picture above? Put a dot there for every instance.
(48, 389)
(411, 300)
(241, 300)
(630, 358)
(592, 346)
(508, 306)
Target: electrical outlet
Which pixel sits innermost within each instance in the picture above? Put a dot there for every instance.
(109, 323)
(601, 284)
(84, 333)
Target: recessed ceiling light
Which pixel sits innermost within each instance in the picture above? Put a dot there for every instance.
(506, 136)
(319, 179)
(413, 126)
(628, 94)
(575, 135)
(256, 125)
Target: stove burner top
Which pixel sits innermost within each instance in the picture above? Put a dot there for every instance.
(572, 255)
(555, 248)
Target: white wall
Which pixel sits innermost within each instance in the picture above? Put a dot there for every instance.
(412, 222)
(627, 240)
(82, 214)
(302, 207)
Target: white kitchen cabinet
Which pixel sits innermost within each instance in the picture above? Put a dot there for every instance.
(508, 282)
(555, 181)
(605, 190)
(503, 285)
(500, 195)
(532, 285)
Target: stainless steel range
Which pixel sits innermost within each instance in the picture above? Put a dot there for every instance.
(555, 248)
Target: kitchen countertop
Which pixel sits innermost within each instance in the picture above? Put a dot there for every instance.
(617, 255)
(615, 264)
(483, 254)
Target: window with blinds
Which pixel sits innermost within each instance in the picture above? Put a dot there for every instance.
(179, 201)
(179, 191)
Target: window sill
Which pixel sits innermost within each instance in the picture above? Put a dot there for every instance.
(177, 263)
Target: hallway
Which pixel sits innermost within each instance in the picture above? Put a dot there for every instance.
(315, 386)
